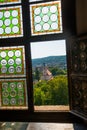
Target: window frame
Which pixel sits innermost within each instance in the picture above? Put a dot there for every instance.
(69, 30)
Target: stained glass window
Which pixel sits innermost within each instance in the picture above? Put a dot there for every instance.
(12, 61)
(13, 94)
(8, 1)
(11, 22)
(46, 18)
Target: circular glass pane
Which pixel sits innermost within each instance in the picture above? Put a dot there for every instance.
(37, 19)
(53, 9)
(7, 22)
(7, 14)
(3, 70)
(12, 85)
(54, 25)
(3, 62)
(3, 54)
(45, 10)
(18, 61)
(15, 29)
(7, 30)
(5, 101)
(20, 101)
(20, 85)
(10, 61)
(17, 53)
(45, 18)
(13, 101)
(18, 69)
(11, 69)
(13, 93)
(5, 85)
(37, 11)
(5, 93)
(46, 26)
(38, 27)
(53, 17)
(15, 21)
(14, 13)
(10, 53)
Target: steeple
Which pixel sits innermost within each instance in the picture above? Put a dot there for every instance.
(47, 75)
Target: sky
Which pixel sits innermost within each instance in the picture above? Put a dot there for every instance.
(48, 48)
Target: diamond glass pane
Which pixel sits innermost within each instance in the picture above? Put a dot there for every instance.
(12, 62)
(8, 1)
(46, 18)
(11, 22)
(13, 94)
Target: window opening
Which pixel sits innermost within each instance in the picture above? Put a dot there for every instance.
(49, 67)
(46, 18)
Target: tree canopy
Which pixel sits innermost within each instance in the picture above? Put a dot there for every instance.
(52, 92)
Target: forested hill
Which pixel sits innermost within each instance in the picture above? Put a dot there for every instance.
(50, 61)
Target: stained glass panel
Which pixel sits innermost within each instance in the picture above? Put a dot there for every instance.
(12, 61)
(46, 18)
(13, 94)
(8, 1)
(11, 22)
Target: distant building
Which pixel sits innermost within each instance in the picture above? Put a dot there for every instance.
(46, 74)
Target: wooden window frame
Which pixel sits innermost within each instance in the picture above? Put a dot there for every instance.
(69, 31)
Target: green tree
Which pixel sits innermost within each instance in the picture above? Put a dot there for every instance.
(58, 71)
(52, 92)
(37, 74)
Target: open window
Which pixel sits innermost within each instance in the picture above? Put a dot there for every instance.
(50, 80)
(22, 24)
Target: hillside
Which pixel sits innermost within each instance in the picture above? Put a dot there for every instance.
(50, 61)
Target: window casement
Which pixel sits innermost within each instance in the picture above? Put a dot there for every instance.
(21, 24)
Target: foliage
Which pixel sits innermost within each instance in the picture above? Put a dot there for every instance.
(57, 71)
(37, 74)
(52, 92)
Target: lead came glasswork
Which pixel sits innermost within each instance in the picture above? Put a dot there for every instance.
(13, 94)
(79, 54)
(12, 61)
(11, 22)
(46, 18)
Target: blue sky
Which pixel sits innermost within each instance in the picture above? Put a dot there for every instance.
(48, 48)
